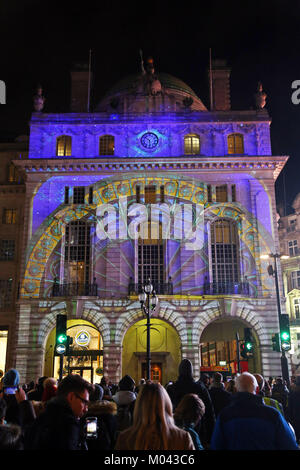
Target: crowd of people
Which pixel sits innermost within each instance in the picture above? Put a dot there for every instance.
(245, 413)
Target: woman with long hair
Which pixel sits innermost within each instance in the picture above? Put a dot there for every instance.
(153, 425)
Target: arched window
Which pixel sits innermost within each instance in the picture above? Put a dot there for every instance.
(235, 144)
(107, 145)
(64, 146)
(191, 144)
(224, 255)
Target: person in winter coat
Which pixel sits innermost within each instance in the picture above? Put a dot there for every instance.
(248, 424)
(219, 396)
(59, 426)
(125, 399)
(10, 384)
(186, 384)
(293, 409)
(280, 392)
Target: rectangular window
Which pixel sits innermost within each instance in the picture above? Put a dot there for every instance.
(138, 194)
(295, 278)
(7, 250)
(221, 193)
(78, 195)
(293, 248)
(13, 174)
(5, 294)
(209, 194)
(150, 265)
(91, 195)
(150, 194)
(162, 194)
(10, 216)
(233, 193)
(67, 190)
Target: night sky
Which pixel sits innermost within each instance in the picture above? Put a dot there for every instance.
(40, 41)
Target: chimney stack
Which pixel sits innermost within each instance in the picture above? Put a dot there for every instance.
(80, 88)
(220, 83)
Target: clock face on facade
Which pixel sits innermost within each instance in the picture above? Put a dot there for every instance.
(149, 140)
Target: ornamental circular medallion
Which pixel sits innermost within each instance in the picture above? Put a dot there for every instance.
(149, 140)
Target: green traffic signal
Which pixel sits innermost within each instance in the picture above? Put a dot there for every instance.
(62, 338)
(285, 336)
(249, 346)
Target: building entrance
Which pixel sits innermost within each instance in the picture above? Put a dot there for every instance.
(156, 372)
(86, 353)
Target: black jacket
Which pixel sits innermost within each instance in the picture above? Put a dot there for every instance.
(220, 398)
(55, 428)
(186, 385)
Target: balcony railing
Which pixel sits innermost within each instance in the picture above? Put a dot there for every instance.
(74, 289)
(165, 288)
(230, 288)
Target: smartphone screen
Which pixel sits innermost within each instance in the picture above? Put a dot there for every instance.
(10, 390)
(91, 427)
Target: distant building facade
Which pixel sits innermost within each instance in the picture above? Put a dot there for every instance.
(289, 236)
(150, 184)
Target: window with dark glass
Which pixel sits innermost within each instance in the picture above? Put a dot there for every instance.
(7, 250)
(78, 195)
(235, 144)
(6, 294)
(293, 248)
(9, 216)
(150, 260)
(224, 254)
(64, 146)
(221, 193)
(107, 145)
(77, 252)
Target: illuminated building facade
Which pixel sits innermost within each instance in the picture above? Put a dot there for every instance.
(149, 184)
(289, 237)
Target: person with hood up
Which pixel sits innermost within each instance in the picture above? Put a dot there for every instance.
(125, 399)
(186, 384)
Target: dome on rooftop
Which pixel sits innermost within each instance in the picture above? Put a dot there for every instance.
(150, 92)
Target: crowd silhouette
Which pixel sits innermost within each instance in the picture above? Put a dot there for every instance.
(247, 412)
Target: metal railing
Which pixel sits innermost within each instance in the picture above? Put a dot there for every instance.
(230, 288)
(74, 289)
(165, 288)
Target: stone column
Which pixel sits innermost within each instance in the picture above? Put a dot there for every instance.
(112, 362)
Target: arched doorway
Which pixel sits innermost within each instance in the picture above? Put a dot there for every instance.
(86, 352)
(165, 351)
(219, 348)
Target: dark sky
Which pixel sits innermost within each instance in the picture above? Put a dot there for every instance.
(260, 40)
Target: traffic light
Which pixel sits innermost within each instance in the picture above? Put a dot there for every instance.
(276, 342)
(243, 350)
(69, 342)
(249, 344)
(285, 335)
(61, 334)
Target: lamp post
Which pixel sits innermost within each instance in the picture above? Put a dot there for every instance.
(272, 270)
(148, 304)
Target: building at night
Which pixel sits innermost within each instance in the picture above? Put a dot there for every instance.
(151, 183)
(289, 237)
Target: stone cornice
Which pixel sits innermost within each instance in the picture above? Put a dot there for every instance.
(204, 164)
(209, 117)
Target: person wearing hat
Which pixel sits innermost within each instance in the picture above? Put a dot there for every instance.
(125, 399)
(186, 384)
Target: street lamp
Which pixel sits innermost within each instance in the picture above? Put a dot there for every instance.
(272, 270)
(148, 304)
